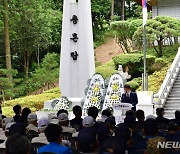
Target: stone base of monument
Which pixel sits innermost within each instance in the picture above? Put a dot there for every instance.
(76, 101)
(145, 102)
(49, 112)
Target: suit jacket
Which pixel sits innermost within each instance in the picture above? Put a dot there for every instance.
(132, 99)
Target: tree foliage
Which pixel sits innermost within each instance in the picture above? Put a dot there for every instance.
(160, 30)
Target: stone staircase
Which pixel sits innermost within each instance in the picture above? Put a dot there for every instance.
(173, 101)
(168, 96)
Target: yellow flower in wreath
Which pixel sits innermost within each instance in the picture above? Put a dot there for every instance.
(96, 88)
(114, 97)
(94, 99)
(115, 86)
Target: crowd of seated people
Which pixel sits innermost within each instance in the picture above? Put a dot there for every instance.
(26, 134)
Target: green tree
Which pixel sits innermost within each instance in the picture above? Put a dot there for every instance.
(121, 31)
(47, 73)
(6, 86)
(34, 28)
(159, 30)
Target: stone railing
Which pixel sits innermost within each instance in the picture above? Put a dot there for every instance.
(161, 97)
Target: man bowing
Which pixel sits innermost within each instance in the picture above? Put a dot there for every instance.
(129, 97)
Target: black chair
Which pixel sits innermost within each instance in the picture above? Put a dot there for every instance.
(31, 134)
(67, 136)
(35, 146)
(74, 145)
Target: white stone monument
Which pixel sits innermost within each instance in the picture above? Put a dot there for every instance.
(77, 50)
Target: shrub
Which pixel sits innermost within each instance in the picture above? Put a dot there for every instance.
(134, 85)
(133, 63)
(34, 102)
(158, 65)
(156, 79)
(107, 69)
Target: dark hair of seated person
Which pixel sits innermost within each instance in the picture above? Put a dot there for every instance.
(18, 144)
(25, 112)
(77, 110)
(140, 115)
(17, 109)
(130, 113)
(93, 112)
(18, 128)
(53, 133)
(150, 127)
(61, 111)
(160, 111)
(106, 113)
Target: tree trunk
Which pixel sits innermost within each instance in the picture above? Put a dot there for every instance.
(112, 10)
(7, 41)
(160, 44)
(123, 9)
(26, 67)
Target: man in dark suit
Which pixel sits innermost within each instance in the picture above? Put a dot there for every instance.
(129, 97)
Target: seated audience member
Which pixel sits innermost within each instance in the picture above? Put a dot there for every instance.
(53, 134)
(106, 130)
(150, 130)
(150, 117)
(140, 117)
(42, 124)
(18, 144)
(77, 111)
(32, 121)
(62, 111)
(177, 118)
(6, 134)
(105, 114)
(124, 133)
(173, 134)
(160, 116)
(18, 128)
(93, 112)
(129, 113)
(25, 112)
(5, 121)
(87, 137)
(64, 123)
(17, 111)
(3, 116)
(130, 121)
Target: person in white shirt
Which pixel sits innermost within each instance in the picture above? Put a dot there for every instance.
(6, 134)
(105, 114)
(32, 121)
(42, 124)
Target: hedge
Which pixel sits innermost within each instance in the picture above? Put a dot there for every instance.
(34, 102)
(134, 63)
(107, 69)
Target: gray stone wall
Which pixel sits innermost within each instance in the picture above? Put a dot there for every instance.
(167, 8)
